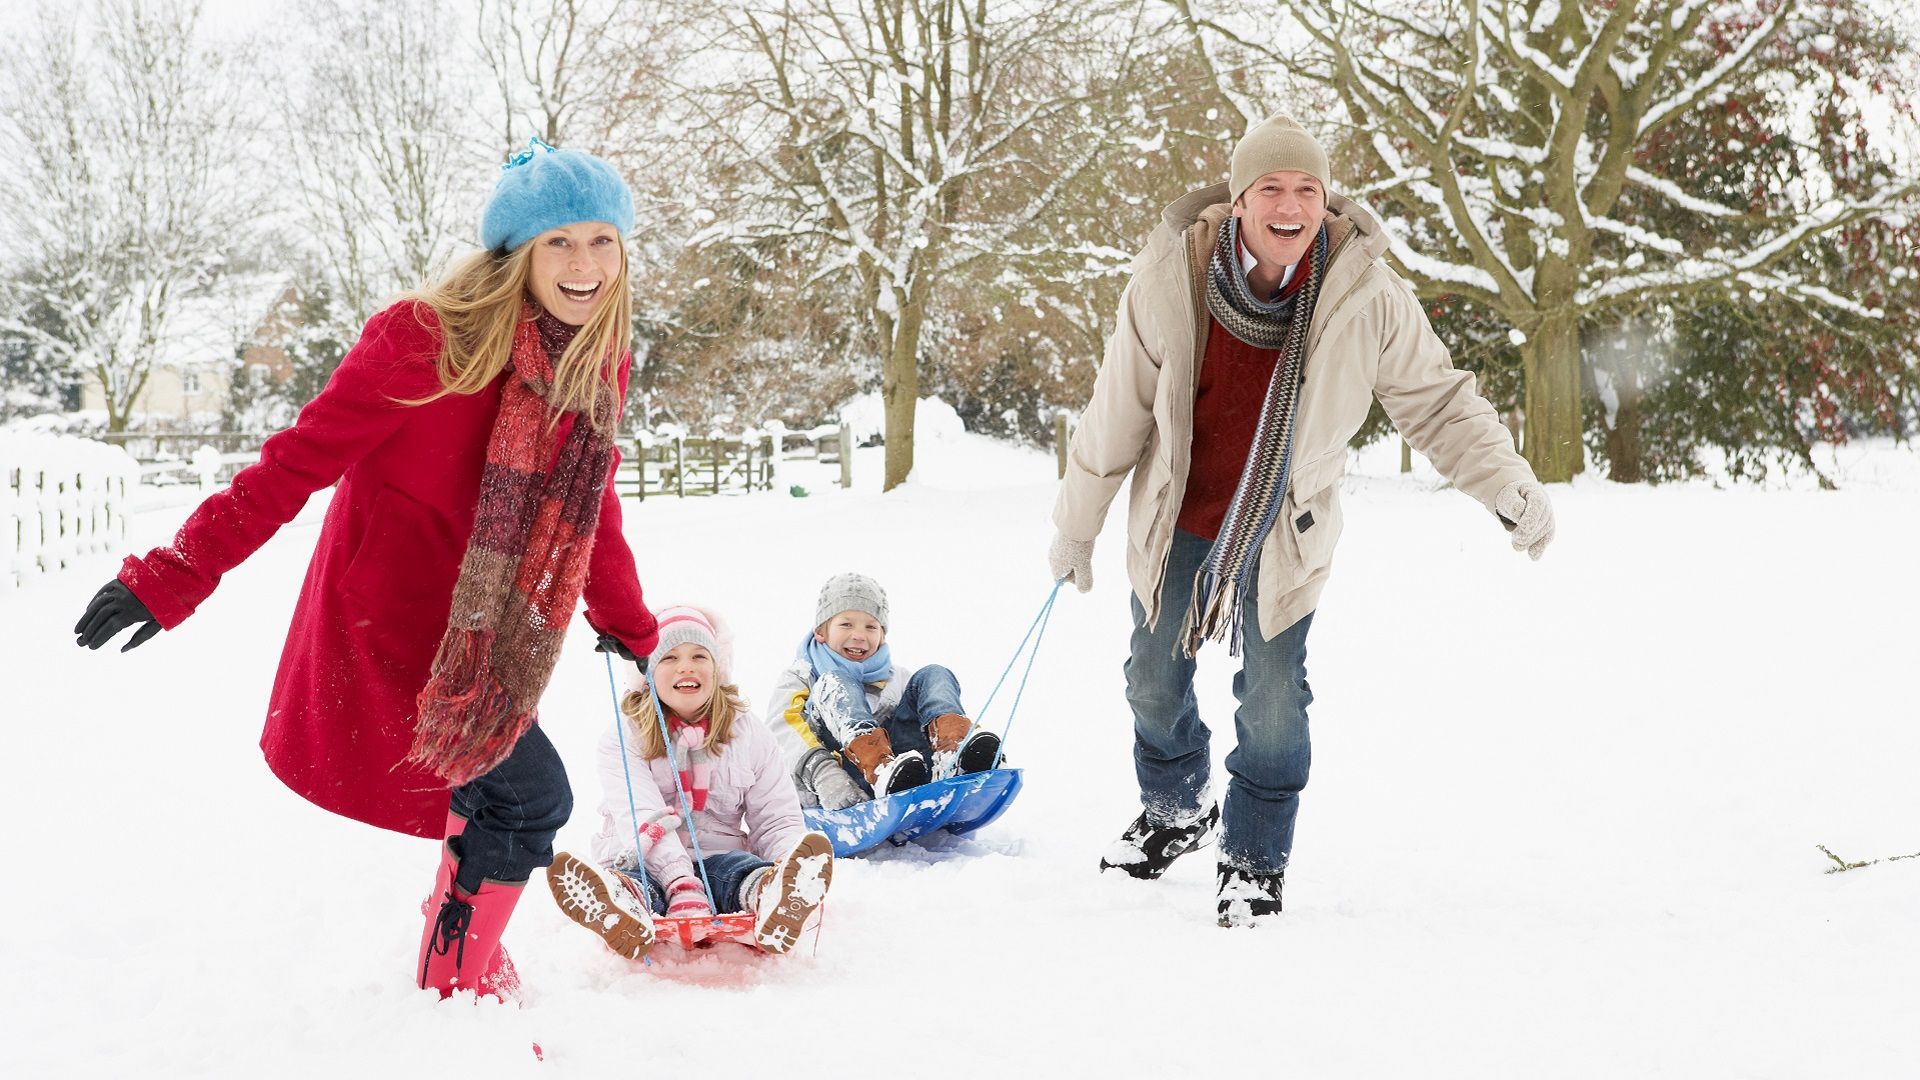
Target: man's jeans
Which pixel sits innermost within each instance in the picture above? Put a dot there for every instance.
(726, 871)
(512, 814)
(839, 712)
(1268, 767)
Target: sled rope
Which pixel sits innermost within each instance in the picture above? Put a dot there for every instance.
(620, 729)
(686, 804)
(1035, 631)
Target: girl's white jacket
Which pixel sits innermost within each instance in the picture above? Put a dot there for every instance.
(752, 804)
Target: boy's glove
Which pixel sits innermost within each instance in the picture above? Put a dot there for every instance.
(1071, 559)
(113, 609)
(820, 772)
(1523, 508)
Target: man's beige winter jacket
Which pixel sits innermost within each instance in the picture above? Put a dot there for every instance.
(1369, 338)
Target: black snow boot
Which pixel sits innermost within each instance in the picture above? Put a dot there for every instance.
(978, 753)
(1246, 896)
(1145, 850)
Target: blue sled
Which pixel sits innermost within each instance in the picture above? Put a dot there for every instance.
(959, 804)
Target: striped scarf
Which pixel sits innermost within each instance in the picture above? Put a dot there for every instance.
(694, 761)
(1218, 585)
(523, 571)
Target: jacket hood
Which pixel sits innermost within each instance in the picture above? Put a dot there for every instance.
(1181, 213)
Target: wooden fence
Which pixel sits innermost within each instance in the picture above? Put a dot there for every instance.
(60, 498)
(682, 466)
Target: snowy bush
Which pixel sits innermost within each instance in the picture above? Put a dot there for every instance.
(933, 420)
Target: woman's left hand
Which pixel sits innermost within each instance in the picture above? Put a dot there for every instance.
(113, 609)
(610, 644)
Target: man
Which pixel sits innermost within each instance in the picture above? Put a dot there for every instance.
(1259, 324)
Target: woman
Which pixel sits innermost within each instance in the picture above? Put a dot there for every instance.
(469, 430)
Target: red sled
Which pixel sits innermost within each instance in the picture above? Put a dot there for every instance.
(701, 931)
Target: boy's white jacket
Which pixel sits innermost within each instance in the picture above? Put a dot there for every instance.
(788, 704)
(751, 803)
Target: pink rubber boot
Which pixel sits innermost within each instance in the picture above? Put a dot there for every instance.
(460, 947)
(500, 980)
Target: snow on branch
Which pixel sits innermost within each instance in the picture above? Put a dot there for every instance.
(1687, 96)
(1439, 270)
(1717, 265)
(1537, 64)
(1678, 196)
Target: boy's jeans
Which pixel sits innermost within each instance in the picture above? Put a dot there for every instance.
(837, 709)
(726, 871)
(1268, 766)
(512, 814)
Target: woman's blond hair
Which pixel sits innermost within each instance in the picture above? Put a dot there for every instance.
(478, 302)
(644, 723)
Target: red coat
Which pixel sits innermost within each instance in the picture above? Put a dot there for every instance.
(375, 602)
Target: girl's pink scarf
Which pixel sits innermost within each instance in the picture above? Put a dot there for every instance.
(696, 764)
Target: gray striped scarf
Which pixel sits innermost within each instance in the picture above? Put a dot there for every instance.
(1215, 609)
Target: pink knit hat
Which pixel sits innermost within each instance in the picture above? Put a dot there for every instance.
(682, 624)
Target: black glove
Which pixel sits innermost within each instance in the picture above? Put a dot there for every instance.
(113, 609)
(609, 643)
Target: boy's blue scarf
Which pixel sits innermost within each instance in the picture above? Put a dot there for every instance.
(871, 670)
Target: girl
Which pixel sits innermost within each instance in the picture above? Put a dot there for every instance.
(469, 431)
(759, 856)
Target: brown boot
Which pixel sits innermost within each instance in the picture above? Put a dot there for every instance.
(868, 751)
(946, 730)
(886, 773)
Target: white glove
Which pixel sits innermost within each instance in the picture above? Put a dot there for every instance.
(1524, 509)
(1071, 559)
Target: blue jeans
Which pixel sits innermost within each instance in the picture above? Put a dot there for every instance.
(1268, 765)
(512, 813)
(931, 691)
(726, 871)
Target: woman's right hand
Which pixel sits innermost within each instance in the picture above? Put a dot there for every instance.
(113, 609)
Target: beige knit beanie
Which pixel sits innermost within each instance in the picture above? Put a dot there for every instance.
(1274, 144)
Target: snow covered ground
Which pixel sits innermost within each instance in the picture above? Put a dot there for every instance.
(1562, 822)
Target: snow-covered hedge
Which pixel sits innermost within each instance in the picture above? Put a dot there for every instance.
(60, 497)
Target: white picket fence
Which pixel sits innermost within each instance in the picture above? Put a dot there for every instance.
(61, 497)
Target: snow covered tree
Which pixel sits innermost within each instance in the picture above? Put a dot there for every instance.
(1516, 150)
(557, 66)
(130, 179)
(903, 142)
(1013, 347)
(384, 145)
(1758, 373)
(31, 380)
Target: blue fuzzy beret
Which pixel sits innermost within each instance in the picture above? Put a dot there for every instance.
(543, 188)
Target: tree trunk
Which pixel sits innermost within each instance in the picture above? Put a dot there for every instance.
(900, 390)
(1626, 451)
(1551, 359)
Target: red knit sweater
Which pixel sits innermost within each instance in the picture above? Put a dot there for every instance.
(1226, 412)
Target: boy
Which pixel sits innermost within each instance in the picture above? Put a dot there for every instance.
(855, 723)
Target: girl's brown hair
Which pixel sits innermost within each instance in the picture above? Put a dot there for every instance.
(644, 723)
(478, 304)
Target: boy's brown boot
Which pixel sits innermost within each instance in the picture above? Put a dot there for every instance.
(946, 730)
(955, 752)
(886, 773)
(868, 751)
